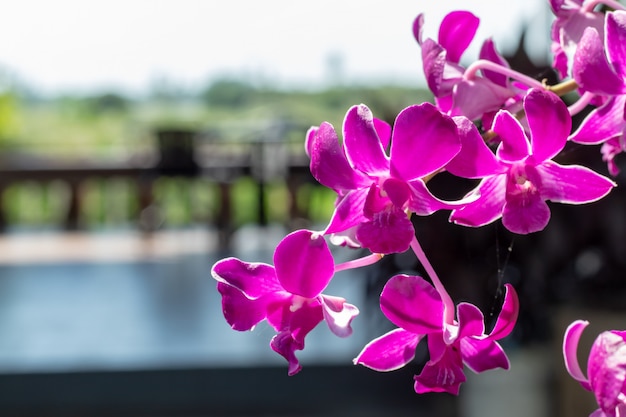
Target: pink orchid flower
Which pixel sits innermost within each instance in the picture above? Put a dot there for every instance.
(521, 176)
(374, 190)
(288, 294)
(600, 68)
(413, 304)
(606, 368)
(455, 93)
(572, 17)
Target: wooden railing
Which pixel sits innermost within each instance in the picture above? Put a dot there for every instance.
(222, 164)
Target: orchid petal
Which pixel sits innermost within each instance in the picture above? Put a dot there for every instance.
(424, 203)
(487, 208)
(475, 160)
(412, 304)
(240, 312)
(591, 69)
(389, 231)
(525, 212)
(375, 202)
(390, 351)
(570, 346)
(471, 320)
(474, 97)
(434, 62)
(456, 32)
(422, 131)
(349, 211)
(398, 191)
(603, 123)
(338, 314)
(284, 344)
(483, 354)
(295, 313)
(304, 264)
(606, 369)
(488, 51)
(328, 162)
(445, 375)
(364, 148)
(549, 123)
(514, 146)
(309, 138)
(616, 40)
(383, 130)
(418, 27)
(508, 314)
(254, 280)
(572, 184)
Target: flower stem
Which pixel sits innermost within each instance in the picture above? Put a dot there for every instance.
(448, 304)
(563, 87)
(580, 104)
(470, 72)
(357, 263)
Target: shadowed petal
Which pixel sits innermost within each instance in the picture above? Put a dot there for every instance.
(338, 314)
(549, 123)
(423, 141)
(284, 344)
(474, 97)
(418, 28)
(304, 264)
(475, 160)
(412, 304)
(383, 130)
(603, 123)
(349, 211)
(487, 208)
(253, 279)
(591, 69)
(424, 203)
(456, 32)
(390, 351)
(572, 184)
(508, 314)
(364, 148)
(488, 51)
(483, 354)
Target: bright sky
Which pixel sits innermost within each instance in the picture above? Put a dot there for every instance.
(85, 45)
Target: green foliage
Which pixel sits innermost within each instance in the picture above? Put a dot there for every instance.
(111, 125)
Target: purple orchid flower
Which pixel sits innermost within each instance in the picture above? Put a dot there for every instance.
(288, 294)
(604, 73)
(572, 17)
(413, 304)
(606, 368)
(521, 176)
(455, 92)
(375, 191)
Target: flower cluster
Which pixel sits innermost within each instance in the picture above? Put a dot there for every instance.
(380, 175)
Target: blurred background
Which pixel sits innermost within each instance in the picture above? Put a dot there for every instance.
(142, 141)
